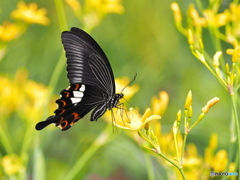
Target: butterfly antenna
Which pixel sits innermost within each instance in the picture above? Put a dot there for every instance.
(134, 78)
(130, 82)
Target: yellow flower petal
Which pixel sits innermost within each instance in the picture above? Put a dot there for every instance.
(9, 31)
(74, 4)
(145, 115)
(30, 13)
(134, 121)
(159, 104)
(11, 164)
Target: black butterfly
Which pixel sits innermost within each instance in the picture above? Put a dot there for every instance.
(91, 80)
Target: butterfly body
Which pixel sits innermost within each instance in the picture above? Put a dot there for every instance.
(92, 85)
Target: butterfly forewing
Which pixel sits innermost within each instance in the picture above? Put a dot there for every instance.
(86, 61)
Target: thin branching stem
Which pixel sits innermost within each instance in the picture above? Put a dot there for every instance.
(234, 99)
(174, 164)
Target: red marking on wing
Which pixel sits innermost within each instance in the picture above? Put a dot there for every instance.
(77, 86)
(63, 103)
(63, 124)
(75, 118)
(67, 94)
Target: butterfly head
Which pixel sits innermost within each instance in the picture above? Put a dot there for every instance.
(115, 100)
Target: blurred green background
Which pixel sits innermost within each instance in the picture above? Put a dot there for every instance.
(143, 40)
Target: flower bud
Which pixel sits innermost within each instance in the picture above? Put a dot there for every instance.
(209, 104)
(188, 101)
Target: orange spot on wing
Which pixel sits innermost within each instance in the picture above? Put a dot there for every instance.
(75, 118)
(77, 87)
(61, 119)
(63, 103)
(63, 124)
(67, 94)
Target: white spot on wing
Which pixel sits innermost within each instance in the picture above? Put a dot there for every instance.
(75, 100)
(82, 89)
(77, 94)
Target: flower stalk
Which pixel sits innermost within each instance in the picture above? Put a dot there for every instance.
(226, 73)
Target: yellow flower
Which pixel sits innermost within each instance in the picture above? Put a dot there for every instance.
(92, 12)
(235, 12)
(220, 161)
(10, 96)
(159, 104)
(209, 151)
(35, 96)
(210, 18)
(113, 6)
(105, 6)
(9, 31)
(30, 13)
(215, 161)
(196, 19)
(216, 20)
(74, 4)
(11, 164)
(192, 162)
(24, 96)
(133, 121)
(235, 53)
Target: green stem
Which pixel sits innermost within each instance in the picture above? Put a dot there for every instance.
(183, 148)
(199, 3)
(176, 146)
(61, 14)
(150, 169)
(57, 71)
(223, 83)
(174, 164)
(5, 140)
(186, 125)
(201, 116)
(102, 139)
(61, 62)
(205, 60)
(234, 99)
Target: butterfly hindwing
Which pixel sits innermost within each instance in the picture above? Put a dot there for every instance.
(75, 102)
